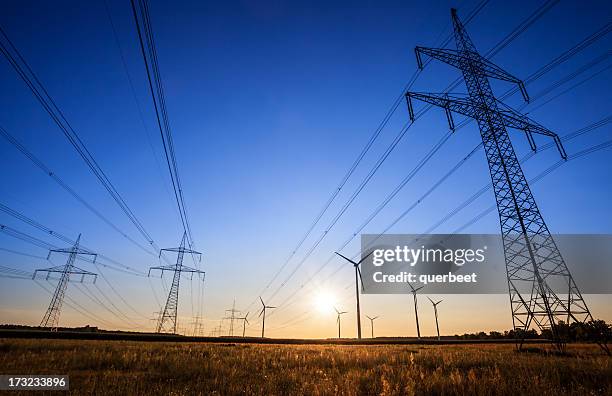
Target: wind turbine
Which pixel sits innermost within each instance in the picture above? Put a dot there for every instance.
(435, 307)
(245, 320)
(338, 319)
(357, 277)
(263, 311)
(416, 309)
(372, 323)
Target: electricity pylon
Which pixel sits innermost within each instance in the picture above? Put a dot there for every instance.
(51, 318)
(534, 266)
(232, 317)
(167, 319)
(197, 325)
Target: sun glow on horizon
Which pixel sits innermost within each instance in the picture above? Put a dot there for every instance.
(324, 302)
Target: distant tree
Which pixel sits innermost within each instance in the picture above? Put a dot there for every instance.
(599, 331)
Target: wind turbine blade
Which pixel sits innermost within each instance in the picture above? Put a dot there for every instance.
(365, 257)
(262, 303)
(343, 312)
(418, 288)
(361, 279)
(246, 320)
(431, 301)
(375, 317)
(261, 312)
(347, 259)
(271, 307)
(336, 309)
(368, 317)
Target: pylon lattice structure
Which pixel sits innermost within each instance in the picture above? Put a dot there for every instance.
(52, 315)
(168, 318)
(542, 290)
(232, 316)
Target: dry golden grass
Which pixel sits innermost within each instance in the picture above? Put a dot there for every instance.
(139, 368)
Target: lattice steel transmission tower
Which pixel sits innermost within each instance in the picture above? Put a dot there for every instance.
(167, 318)
(51, 318)
(232, 316)
(542, 290)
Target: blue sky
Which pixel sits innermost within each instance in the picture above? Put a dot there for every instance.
(270, 103)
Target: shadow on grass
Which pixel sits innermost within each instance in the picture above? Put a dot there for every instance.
(545, 352)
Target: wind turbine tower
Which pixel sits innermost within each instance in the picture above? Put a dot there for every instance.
(435, 307)
(372, 323)
(338, 319)
(357, 278)
(263, 312)
(416, 308)
(245, 321)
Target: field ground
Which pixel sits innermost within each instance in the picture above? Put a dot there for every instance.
(164, 368)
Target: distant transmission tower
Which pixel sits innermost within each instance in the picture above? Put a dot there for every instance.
(167, 319)
(197, 325)
(232, 317)
(534, 266)
(51, 318)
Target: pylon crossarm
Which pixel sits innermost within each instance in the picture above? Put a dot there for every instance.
(516, 120)
(193, 271)
(163, 268)
(172, 268)
(460, 104)
(475, 61)
(61, 269)
(180, 250)
(184, 268)
(508, 116)
(449, 56)
(77, 251)
(448, 102)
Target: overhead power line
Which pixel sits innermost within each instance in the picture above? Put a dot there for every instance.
(41, 165)
(20, 216)
(549, 66)
(530, 20)
(352, 169)
(149, 55)
(579, 154)
(28, 76)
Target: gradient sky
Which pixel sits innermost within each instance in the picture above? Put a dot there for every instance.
(270, 103)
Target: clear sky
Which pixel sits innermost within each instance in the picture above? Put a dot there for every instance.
(270, 104)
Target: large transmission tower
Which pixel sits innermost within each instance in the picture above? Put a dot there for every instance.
(167, 318)
(542, 290)
(51, 318)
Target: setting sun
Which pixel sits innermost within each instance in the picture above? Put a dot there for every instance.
(324, 302)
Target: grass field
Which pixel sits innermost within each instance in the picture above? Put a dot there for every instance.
(127, 367)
